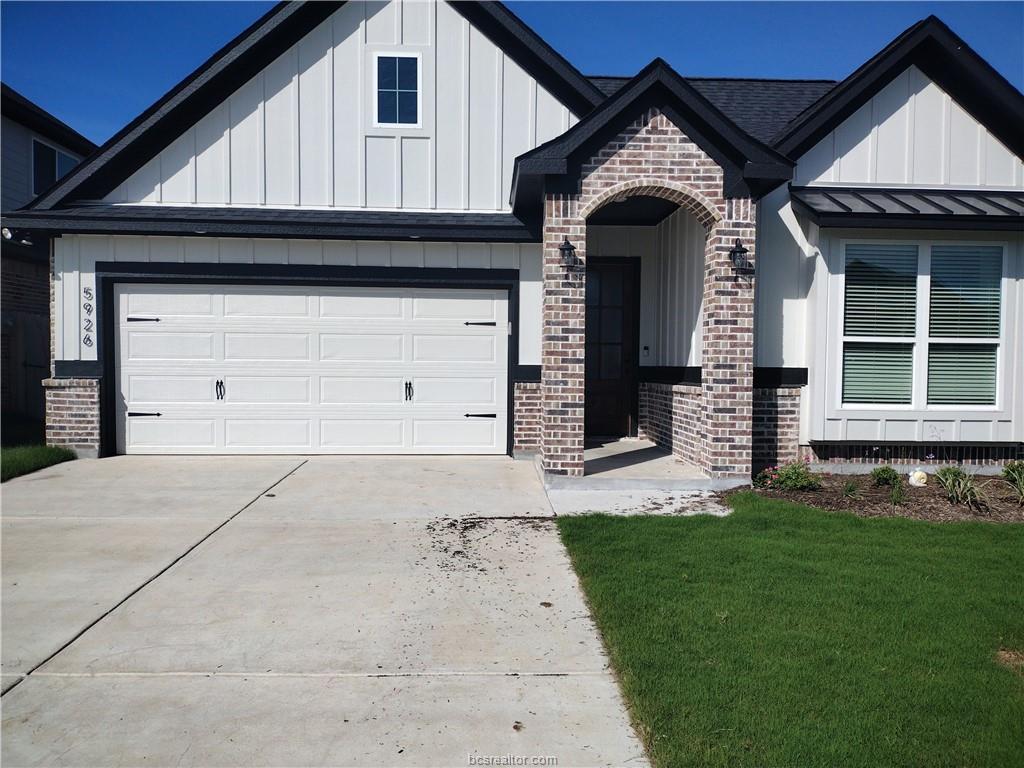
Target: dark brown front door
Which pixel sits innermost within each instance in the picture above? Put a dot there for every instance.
(613, 288)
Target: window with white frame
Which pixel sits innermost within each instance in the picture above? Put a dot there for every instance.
(48, 165)
(919, 312)
(397, 90)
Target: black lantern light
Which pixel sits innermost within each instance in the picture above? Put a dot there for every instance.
(738, 254)
(568, 253)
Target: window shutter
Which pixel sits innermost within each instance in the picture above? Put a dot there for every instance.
(877, 373)
(961, 374)
(881, 290)
(965, 295)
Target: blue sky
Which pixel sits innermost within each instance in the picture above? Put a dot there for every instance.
(96, 65)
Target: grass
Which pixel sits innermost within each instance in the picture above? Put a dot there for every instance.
(23, 459)
(786, 636)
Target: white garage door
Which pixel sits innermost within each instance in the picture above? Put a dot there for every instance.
(255, 369)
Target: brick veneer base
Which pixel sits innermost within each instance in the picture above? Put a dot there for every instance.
(73, 415)
(925, 454)
(528, 410)
(776, 427)
(670, 416)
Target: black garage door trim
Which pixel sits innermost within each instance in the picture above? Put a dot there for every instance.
(109, 273)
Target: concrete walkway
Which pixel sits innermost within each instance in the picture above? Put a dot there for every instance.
(274, 611)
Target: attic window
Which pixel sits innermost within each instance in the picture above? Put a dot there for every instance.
(398, 90)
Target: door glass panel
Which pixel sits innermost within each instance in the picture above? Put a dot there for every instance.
(611, 361)
(611, 325)
(611, 289)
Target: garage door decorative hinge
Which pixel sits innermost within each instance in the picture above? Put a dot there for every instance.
(470, 322)
(143, 413)
(480, 415)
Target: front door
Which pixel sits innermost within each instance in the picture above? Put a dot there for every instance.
(612, 335)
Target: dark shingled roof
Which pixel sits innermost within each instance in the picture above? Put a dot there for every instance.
(762, 108)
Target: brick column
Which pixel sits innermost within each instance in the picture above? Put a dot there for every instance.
(563, 345)
(73, 415)
(728, 358)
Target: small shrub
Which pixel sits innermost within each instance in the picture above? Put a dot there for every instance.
(1013, 473)
(885, 476)
(960, 487)
(898, 492)
(795, 476)
(850, 490)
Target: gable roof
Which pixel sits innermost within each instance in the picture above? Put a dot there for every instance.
(256, 47)
(760, 106)
(750, 166)
(946, 59)
(19, 109)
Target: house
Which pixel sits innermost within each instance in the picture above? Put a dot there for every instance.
(408, 227)
(37, 149)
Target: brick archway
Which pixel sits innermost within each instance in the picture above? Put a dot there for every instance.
(652, 156)
(681, 194)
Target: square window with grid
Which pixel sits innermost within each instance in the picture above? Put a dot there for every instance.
(397, 90)
(921, 313)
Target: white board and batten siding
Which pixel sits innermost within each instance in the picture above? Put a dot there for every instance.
(310, 369)
(302, 132)
(75, 258)
(911, 132)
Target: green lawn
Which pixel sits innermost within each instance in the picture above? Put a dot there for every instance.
(786, 636)
(23, 459)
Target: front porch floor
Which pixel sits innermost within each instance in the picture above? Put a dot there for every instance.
(637, 464)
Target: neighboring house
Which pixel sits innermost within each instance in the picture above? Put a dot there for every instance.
(407, 227)
(36, 149)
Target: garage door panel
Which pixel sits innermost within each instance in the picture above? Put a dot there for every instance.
(266, 433)
(367, 348)
(463, 348)
(265, 305)
(160, 433)
(261, 390)
(158, 301)
(382, 305)
(150, 345)
(266, 347)
(312, 370)
(457, 306)
(335, 390)
(363, 435)
(474, 391)
(171, 389)
(454, 434)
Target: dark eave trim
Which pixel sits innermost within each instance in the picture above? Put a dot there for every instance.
(945, 58)
(16, 107)
(326, 225)
(533, 54)
(216, 79)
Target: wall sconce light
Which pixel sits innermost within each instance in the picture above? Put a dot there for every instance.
(568, 253)
(738, 254)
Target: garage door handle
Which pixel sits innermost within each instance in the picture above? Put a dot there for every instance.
(408, 390)
(472, 323)
(220, 389)
(143, 413)
(143, 319)
(480, 415)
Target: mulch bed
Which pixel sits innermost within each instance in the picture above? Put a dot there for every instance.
(927, 503)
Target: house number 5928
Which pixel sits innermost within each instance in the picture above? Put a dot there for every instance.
(87, 321)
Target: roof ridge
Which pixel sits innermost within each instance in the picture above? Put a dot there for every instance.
(729, 77)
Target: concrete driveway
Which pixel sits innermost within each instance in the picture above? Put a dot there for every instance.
(278, 611)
